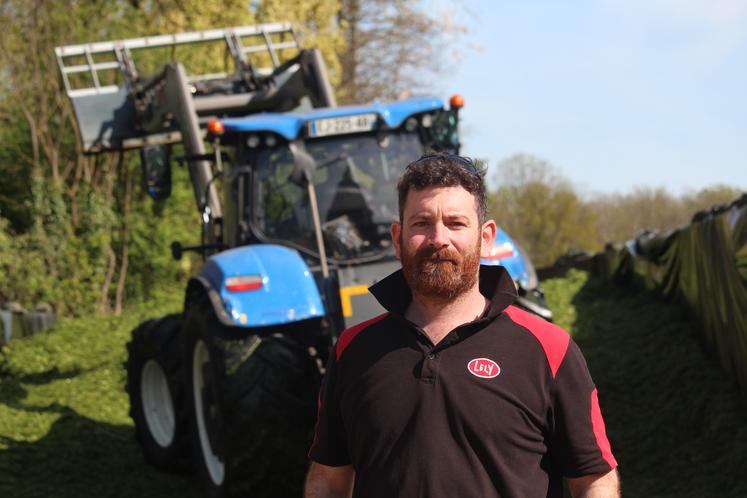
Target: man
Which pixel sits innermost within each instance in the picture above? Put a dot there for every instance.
(454, 392)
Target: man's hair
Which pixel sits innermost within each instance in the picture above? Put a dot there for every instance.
(444, 170)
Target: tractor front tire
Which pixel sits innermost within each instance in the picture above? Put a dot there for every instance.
(253, 400)
(156, 390)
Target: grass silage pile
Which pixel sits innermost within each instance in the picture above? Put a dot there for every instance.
(676, 422)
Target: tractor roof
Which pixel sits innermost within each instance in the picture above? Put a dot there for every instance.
(290, 124)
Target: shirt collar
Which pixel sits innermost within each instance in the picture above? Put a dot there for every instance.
(394, 294)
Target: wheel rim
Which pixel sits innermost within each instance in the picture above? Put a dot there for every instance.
(158, 406)
(213, 463)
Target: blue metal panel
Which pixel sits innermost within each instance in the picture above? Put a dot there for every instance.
(286, 124)
(288, 293)
(290, 125)
(514, 264)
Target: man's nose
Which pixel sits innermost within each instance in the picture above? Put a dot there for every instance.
(439, 235)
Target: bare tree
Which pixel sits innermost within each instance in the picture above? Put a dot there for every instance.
(392, 48)
(621, 217)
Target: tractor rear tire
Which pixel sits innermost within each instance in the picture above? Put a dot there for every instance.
(253, 402)
(156, 390)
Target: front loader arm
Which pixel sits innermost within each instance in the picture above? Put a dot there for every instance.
(168, 98)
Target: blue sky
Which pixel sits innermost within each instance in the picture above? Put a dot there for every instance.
(615, 94)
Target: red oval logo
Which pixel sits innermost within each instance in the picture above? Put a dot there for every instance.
(483, 367)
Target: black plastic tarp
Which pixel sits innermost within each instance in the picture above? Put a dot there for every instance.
(704, 266)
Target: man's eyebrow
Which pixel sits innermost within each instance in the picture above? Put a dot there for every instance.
(421, 214)
(448, 216)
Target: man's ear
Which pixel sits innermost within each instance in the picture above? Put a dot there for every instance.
(487, 237)
(396, 231)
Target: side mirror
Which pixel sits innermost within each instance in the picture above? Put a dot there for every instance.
(176, 250)
(156, 163)
(303, 164)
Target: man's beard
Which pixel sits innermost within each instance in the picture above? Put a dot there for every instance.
(441, 274)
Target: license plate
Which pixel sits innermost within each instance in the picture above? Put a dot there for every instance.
(342, 125)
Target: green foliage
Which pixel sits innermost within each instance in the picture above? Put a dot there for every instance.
(674, 418)
(541, 210)
(68, 266)
(80, 233)
(710, 196)
(64, 424)
(559, 293)
(317, 23)
(622, 217)
(7, 252)
(15, 181)
(155, 225)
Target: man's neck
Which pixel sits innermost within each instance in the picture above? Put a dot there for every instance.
(438, 317)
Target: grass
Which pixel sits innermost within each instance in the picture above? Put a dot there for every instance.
(64, 424)
(675, 420)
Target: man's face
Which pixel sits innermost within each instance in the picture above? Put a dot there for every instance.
(440, 240)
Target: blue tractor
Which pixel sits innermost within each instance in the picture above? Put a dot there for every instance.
(300, 231)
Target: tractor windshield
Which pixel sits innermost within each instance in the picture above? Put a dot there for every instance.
(355, 181)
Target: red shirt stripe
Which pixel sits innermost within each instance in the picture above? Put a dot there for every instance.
(600, 433)
(343, 342)
(553, 339)
(349, 334)
(316, 425)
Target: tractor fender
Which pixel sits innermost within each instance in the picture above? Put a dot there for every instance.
(283, 291)
(507, 253)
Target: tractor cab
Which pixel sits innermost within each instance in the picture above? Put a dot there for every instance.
(357, 155)
(323, 182)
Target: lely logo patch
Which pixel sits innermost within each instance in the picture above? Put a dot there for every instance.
(484, 368)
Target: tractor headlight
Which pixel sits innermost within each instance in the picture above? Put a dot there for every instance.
(252, 141)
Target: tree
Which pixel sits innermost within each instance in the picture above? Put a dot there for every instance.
(84, 235)
(55, 181)
(539, 208)
(316, 22)
(392, 48)
(622, 217)
(709, 197)
(79, 230)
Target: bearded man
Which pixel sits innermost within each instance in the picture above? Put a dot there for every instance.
(455, 392)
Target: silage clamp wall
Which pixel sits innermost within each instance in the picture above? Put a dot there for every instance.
(704, 265)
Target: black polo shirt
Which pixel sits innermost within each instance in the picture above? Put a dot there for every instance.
(502, 407)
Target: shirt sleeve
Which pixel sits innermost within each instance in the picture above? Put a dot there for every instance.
(579, 443)
(329, 446)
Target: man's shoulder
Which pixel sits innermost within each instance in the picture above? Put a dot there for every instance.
(351, 333)
(553, 339)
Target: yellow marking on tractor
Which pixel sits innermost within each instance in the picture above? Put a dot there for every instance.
(346, 293)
